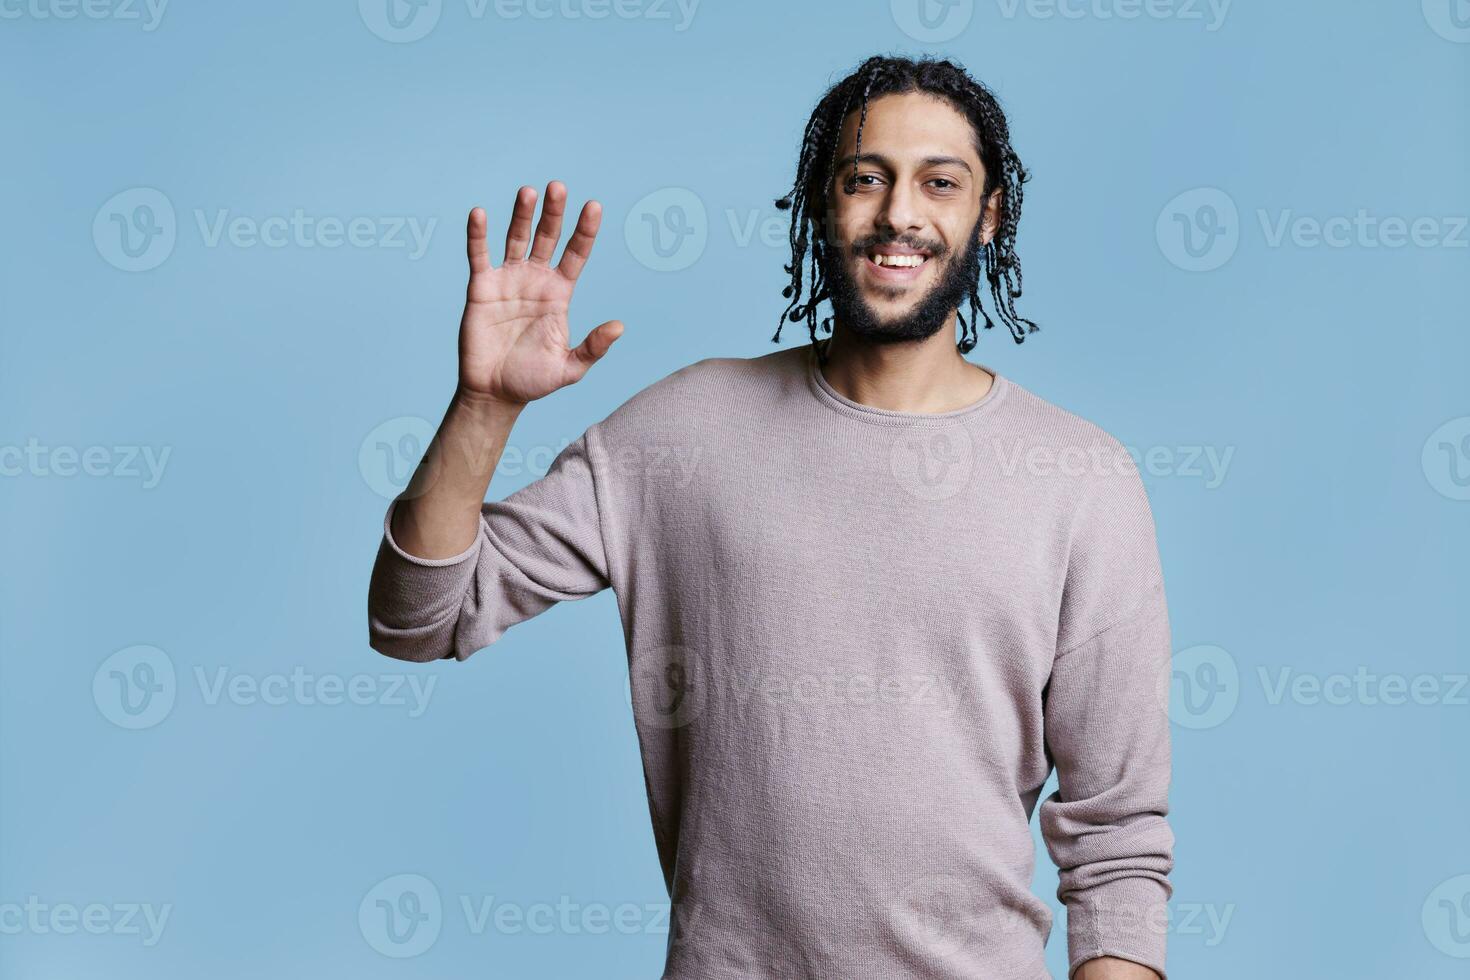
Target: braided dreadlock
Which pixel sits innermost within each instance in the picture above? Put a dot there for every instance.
(880, 76)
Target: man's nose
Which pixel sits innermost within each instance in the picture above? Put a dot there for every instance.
(900, 213)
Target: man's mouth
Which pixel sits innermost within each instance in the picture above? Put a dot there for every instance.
(896, 263)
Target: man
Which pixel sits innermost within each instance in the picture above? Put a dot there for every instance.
(872, 593)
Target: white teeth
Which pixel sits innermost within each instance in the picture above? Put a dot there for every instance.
(900, 261)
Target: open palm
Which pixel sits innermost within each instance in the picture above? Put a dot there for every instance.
(514, 342)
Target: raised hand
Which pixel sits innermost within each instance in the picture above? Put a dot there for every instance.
(514, 342)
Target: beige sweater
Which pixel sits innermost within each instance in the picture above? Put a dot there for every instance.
(858, 642)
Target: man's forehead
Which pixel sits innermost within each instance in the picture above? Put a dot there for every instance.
(912, 128)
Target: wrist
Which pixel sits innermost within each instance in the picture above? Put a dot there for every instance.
(483, 405)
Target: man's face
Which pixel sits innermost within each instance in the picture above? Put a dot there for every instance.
(904, 241)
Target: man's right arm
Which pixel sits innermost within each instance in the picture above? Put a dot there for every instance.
(438, 514)
(513, 348)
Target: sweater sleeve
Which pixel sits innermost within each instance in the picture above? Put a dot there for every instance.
(538, 546)
(1107, 732)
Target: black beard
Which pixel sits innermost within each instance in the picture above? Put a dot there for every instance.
(960, 277)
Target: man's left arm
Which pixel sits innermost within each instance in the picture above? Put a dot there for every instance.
(1107, 732)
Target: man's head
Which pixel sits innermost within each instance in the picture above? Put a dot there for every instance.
(906, 183)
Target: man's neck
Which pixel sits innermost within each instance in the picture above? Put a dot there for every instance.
(925, 376)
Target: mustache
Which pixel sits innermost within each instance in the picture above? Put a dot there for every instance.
(860, 246)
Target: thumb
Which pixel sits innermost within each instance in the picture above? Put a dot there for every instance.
(590, 350)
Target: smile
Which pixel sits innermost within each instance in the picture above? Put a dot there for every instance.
(900, 265)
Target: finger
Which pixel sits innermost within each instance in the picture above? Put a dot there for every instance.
(579, 246)
(596, 344)
(518, 235)
(548, 230)
(475, 244)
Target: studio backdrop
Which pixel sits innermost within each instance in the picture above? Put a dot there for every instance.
(231, 273)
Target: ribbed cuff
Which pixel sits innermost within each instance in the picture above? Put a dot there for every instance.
(1127, 918)
(408, 591)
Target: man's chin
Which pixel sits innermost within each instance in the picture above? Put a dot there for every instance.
(886, 325)
(887, 320)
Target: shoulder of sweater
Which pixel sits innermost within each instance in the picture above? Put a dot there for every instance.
(1053, 426)
(700, 390)
(1083, 461)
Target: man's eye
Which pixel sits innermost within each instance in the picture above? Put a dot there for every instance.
(948, 184)
(861, 178)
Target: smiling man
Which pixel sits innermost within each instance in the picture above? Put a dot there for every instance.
(873, 593)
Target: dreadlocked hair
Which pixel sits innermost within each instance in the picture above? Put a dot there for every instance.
(876, 77)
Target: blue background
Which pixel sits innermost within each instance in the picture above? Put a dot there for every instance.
(1323, 835)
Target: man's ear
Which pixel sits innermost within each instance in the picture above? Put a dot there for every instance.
(990, 217)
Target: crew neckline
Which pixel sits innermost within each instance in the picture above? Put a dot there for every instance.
(839, 402)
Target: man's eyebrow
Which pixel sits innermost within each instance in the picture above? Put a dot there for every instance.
(882, 161)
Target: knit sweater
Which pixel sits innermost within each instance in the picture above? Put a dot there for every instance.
(859, 641)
